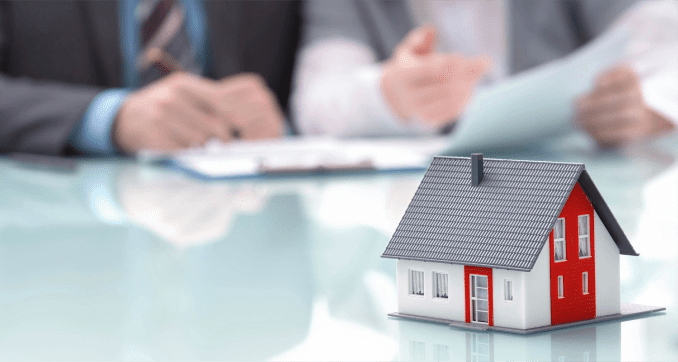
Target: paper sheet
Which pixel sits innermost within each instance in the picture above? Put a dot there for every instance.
(302, 154)
(537, 103)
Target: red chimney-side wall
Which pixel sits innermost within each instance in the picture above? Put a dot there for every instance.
(574, 306)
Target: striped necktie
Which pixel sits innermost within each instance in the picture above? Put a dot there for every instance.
(165, 46)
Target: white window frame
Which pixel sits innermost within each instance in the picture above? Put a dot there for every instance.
(440, 283)
(562, 240)
(508, 290)
(585, 283)
(415, 283)
(561, 287)
(587, 236)
(475, 299)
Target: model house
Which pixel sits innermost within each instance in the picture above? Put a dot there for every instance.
(517, 245)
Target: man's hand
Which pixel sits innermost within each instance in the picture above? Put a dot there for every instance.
(250, 106)
(419, 82)
(615, 113)
(184, 110)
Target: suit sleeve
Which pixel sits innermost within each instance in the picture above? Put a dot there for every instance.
(329, 19)
(38, 116)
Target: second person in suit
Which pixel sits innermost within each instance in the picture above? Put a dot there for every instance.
(409, 67)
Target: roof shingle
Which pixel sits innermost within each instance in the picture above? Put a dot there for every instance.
(503, 223)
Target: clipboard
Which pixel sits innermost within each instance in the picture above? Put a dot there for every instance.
(301, 156)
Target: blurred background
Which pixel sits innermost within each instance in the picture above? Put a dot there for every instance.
(202, 179)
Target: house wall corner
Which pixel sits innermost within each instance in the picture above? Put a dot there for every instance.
(607, 271)
(537, 292)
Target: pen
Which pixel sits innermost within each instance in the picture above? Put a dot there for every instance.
(159, 58)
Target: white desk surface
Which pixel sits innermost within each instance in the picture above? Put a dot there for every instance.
(120, 260)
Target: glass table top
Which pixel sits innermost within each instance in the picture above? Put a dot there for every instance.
(122, 260)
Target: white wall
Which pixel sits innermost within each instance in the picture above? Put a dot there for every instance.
(537, 292)
(508, 314)
(451, 308)
(531, 306)
(607, 270)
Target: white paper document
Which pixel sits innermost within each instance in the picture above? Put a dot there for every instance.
(302, 155)
(537, 103)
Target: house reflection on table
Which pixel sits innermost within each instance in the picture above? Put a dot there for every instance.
(434, 342)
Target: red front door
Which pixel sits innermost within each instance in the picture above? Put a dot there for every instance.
(573, 269)
(478, 285)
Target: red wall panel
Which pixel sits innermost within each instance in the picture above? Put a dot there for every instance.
(574, 306)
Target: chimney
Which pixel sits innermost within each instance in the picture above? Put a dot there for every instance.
(476, 168)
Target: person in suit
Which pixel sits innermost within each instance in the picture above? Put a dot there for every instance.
(94, 76)
(408, 67)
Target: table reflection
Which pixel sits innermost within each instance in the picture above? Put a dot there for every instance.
(185, 211)
(432, 342)
(121, 260)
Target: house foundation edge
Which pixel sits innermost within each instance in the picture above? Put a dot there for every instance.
(629, 311)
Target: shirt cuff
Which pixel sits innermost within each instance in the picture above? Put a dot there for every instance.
(92, 135)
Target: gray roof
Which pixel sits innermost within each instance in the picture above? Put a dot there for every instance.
(502, 223)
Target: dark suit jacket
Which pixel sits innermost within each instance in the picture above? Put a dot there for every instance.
(55, 56)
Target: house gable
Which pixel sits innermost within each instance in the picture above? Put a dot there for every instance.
(606, 216)
(575, 303)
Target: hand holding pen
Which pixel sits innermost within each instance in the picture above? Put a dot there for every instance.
(184, 110)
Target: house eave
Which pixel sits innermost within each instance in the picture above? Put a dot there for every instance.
(605, 214)
(457, 263)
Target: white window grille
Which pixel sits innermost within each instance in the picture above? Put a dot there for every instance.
(585, 283)
(439, 285)
(560, 287)
(416, 280)
(584, 240)
(559, 240)
(508, 290)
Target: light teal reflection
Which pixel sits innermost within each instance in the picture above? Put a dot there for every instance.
(185, 211)
(247, 295)
(77, 286)
(433, 342)
(156, 265)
